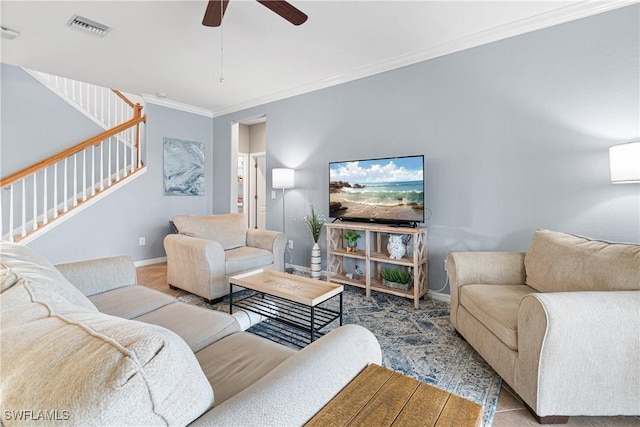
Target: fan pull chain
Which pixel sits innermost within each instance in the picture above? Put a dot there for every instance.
(221, 56)
(221, 45)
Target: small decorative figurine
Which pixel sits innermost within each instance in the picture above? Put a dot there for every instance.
(396, 247)
(358, 271)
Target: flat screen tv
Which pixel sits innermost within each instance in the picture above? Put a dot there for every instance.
(388, 190)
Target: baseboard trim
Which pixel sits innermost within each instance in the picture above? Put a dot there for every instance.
(436, 296)
(145, 262)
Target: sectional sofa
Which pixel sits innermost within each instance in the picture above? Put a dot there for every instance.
(84, 344)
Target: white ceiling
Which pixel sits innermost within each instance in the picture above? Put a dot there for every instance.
(161, 46)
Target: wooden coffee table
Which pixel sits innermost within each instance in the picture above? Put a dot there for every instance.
(381, 397)
(290, 300)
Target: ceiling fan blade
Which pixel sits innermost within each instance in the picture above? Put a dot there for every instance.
(286, 10)
(214, 13)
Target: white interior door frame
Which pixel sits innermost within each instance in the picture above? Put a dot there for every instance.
(257, 190)
(235, 137)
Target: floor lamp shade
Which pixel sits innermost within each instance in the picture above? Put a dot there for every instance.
(282, 178)
(625, 163)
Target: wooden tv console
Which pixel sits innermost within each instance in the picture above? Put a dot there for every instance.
(374, 255)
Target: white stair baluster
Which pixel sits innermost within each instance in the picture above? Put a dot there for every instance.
(45, 219)
(132, 145)
(109, 109)
(65, 180)
(24, 208)
(117, 160)
(109, 165)
(55, 190)
(35, 201)
(84, 175)
(93, 170)
(75, 180)
(101, 166)
(102, 104)
(11, 213)
(1, 216)
(125, 165)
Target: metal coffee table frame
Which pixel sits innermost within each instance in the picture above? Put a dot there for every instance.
(307, 321)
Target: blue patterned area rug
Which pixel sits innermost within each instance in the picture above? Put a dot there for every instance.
(420, 343)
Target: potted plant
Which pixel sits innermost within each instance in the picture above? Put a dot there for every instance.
(396, 278)
(352, 236)
(315, 223)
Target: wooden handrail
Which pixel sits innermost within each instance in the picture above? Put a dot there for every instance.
(124, 98)
(94, 140)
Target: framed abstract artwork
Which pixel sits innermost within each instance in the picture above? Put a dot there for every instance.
(183, 173)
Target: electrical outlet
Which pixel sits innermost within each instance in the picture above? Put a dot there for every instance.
(290, 244)
(273, 194)
(142, 241)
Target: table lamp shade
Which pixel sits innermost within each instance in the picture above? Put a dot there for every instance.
(625, 163)
(282, 178)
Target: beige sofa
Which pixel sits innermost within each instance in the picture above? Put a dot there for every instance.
(211, 248)
(559, 323)
(82, 344)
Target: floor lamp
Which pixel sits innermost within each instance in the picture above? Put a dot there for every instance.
(282, 178)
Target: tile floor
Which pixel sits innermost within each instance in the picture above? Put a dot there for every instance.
(510, 411)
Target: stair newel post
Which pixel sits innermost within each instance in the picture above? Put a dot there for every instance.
(137, 113)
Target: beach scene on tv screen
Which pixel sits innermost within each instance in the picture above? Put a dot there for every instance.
(382, 189)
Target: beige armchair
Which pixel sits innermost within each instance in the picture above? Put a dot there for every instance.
(211, 248)
(559, 323)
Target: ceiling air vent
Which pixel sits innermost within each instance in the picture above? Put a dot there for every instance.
(87, 24)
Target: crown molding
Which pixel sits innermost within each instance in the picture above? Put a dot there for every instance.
(537, 22)
(164, 102)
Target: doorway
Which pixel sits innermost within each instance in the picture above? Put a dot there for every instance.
(248, 170)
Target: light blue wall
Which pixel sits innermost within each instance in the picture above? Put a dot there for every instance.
(34, 119)
(515, 136)
(114, 224)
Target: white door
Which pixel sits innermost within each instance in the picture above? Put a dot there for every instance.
(258, 190)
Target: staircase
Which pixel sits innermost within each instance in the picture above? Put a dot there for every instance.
(43, 195)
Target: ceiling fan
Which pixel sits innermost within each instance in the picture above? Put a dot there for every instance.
(216, 8)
